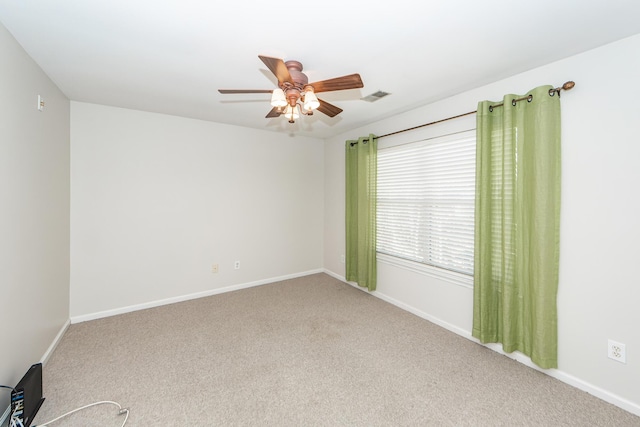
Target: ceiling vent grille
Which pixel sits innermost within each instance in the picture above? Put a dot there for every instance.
(375, 96)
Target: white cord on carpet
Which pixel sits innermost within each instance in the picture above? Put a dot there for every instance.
(120, 412)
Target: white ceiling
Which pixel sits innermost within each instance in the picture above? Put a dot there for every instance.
(171, 56)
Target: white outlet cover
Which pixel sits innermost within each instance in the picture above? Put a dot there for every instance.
(617, 351)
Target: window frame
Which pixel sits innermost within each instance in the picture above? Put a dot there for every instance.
(462, 129)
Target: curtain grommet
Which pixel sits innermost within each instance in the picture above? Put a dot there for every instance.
(529, 98)
(513, 102)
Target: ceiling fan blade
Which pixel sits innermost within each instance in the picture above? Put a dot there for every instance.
(245, 90)
(275, 112)
(277, 67)
(329, 109)
(352, 81)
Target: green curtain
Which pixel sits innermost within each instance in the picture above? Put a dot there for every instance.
(361, 183)
(517, 225)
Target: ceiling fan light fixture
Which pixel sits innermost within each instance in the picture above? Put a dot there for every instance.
(310, 101)
(291, 113)
(295, 95)
(278, 99)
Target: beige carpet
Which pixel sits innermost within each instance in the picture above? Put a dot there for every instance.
(311, 351)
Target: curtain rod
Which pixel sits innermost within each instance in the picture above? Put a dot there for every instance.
(567, 86)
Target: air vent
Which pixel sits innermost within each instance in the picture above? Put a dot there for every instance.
(375, 96)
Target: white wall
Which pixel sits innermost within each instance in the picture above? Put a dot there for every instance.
(34, 212)
(599, 290)
(156, 200)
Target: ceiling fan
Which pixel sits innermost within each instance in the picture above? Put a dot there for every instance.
(295, 94)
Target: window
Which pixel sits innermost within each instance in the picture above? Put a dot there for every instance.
(426, 194)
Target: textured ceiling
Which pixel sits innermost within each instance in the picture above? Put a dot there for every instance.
(171, 56)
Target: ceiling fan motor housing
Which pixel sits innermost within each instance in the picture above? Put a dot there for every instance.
(297, 76)
(295, 88)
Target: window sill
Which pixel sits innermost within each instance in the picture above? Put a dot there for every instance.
(428, 270)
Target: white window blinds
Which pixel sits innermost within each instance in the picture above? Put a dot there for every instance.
(426, 196)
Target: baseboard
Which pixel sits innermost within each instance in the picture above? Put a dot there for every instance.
(181, 298)
(45, 358)
(337, 276)
(4, 416)
(47, 354)
(555, 373)
(566, 378)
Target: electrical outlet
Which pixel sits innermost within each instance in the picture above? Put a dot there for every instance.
(342, 259)
(617, 351)
(214, 268)
(237, 265)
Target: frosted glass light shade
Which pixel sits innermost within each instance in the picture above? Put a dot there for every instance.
(291, 113)
(277, 98)
(310, 101)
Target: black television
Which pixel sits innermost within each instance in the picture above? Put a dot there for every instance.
(26, 397)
